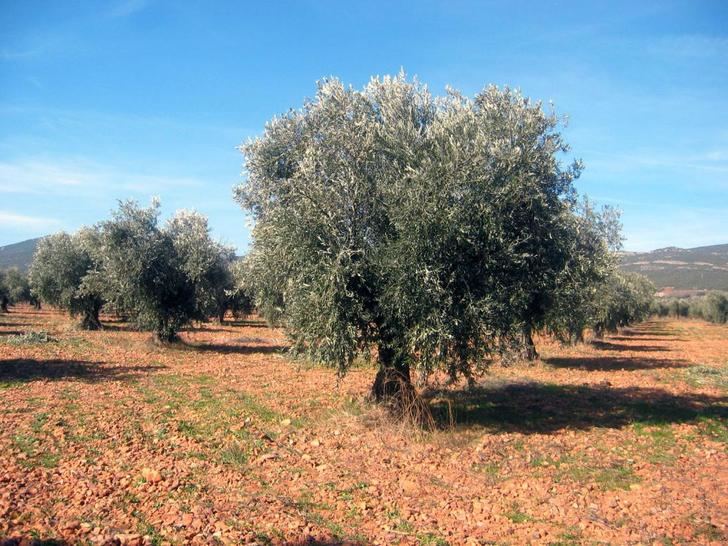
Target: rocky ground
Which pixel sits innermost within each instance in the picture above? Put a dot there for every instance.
(107, 438)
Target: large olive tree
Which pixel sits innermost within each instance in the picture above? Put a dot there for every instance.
(64, 273)
(423, 230)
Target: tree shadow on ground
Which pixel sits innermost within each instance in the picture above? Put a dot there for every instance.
(238, 349)
(22, 370)
(119, 327)
(613, 363)
(545, 408)
(248, 323)
(608, 346)
(630, 334)
(15, 324)
(28, 541)
(325, 542)
(643, 338)
(11, 333)
(310, 541)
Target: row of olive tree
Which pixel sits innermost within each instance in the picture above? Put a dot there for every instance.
(161, 277)
(428, 232)
(712, 307)
(15, 289)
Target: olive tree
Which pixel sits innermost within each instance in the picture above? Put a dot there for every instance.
(624, 298)
(239, 296)
(144, 271)
(576, 300)
(4, 293)
(18, 288)
(64, 273)
(205, 262)
(425, 231)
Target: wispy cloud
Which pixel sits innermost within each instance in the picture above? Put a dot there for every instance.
(128, 7)
(17, 54)
(691, 45)
(711, 163)
(81, 177)
(669, 225)
(12, 220)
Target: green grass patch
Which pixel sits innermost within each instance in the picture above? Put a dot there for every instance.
(581, 469)
(517, 516)
(707, 376)
(234, 455)
(430, 539)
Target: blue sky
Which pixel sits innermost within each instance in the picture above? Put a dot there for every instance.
(102, 101)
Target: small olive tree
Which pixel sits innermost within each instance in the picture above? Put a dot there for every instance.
(423, 230)
(4, 293)
(64, 273)
(18, 288)
(239, 298)
(206, 263)
(144, 272)
(595, 238)
(623, 299)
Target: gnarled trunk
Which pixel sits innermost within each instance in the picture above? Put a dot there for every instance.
(393, 381)
(90, 319)
(165, 333)
(529, 348)
(4, 304)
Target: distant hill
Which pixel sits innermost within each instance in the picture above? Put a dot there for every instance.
(704, 267)
(18, 255)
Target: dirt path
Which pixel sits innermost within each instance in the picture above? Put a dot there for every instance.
(225, 441)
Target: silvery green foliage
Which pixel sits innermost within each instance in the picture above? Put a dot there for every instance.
(429, 227)
(144, 272)
(239, 295)
(206, 262)
(624, 298)
(64, 273)
(593, 260)
(18, 287)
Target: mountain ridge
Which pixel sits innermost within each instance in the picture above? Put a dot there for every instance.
(701, 268)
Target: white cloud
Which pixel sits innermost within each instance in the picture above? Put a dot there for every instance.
(12, 220)
(81, 177)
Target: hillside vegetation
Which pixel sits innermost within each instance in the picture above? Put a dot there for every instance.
(704, 267)
(18, 255)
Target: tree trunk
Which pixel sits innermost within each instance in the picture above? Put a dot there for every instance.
(221, 315)
(90, 320)
(393, 381)
(4, 304)
(529, 348)
(165, 334)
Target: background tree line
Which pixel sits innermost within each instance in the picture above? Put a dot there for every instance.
(159, 277)
(712, 307)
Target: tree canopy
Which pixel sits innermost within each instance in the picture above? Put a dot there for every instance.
(64, 273)
(429, 231)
